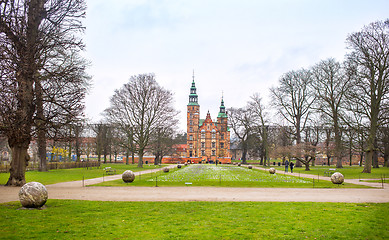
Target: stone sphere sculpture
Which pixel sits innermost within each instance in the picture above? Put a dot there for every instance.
(272, 170)
(337, 178)
(165, 169)
(179, 166)
(250, 167)
(128, 176)
(33, 195)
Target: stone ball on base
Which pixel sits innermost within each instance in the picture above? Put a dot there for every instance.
(179, 166)
(33, 195)
(128, 176)
(165, 169)
(337, 178)
(272, 170)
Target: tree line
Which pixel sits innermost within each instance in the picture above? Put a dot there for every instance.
(329, 108)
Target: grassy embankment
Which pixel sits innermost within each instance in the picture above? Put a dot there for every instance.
(68, 219)
(224, 176)
(74, 174)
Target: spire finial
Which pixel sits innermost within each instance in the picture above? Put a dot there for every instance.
(193, 75)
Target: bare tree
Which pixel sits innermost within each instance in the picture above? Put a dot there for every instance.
(368, 64)
(162, 142)
(330, 86)
(29, 30)
(240, 120)
(294, 98)
(144, 106)
(261, 121)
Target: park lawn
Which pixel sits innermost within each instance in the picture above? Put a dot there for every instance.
(73, 219)
(74, 174)
(353, 172)
(224, 176)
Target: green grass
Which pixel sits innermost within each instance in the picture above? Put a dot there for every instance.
(377, 181)
(354, 172)
(74, 174)
(69, 219)
(224, 176)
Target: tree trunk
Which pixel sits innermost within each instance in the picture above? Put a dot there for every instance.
(371, 139)
(306, 163)
(386, 160)
(19, 163)
(133, 157)
(140, 159)
(244, 154)
(338, 147)
(375, 155)
(307, 166)
(41, 129)
(368, 160)
(375, 159)
(42, 151)
(127, 156)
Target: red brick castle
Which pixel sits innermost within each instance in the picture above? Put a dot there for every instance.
(207, 141)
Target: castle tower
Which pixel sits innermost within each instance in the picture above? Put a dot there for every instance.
(193, 118)
(224, 134)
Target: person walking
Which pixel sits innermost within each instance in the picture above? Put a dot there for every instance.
(291, 166)
(286, 165)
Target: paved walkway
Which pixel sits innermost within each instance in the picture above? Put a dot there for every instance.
(75, 190)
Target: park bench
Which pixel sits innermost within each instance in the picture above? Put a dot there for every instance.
(109, 171)
(329, 172)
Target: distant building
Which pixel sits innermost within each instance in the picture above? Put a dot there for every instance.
(207, 141)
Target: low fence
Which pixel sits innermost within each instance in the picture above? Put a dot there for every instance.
(55, 165)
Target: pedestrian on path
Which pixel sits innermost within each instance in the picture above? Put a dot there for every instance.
(291, 166)
(286, 165)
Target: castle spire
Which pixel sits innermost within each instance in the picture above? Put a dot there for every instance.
(222, 111)
(193, 98)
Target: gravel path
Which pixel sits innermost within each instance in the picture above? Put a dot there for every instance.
(75, 190)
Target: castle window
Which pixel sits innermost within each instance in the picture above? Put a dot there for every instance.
(202, 134)
(202, 153)
(213, 152)
(190, 145)
(190, 154)
(203, 145)
(213, 135)
(222, 136)
(221, 145)
(191, 122)
(213, 144)
(190, 137)
(190, 129)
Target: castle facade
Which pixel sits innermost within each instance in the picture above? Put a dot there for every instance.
(207, 140)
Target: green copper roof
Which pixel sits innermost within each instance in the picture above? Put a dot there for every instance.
(222, 115)
(193, 97)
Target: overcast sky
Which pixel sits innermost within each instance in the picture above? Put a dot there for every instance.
(235, 47)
